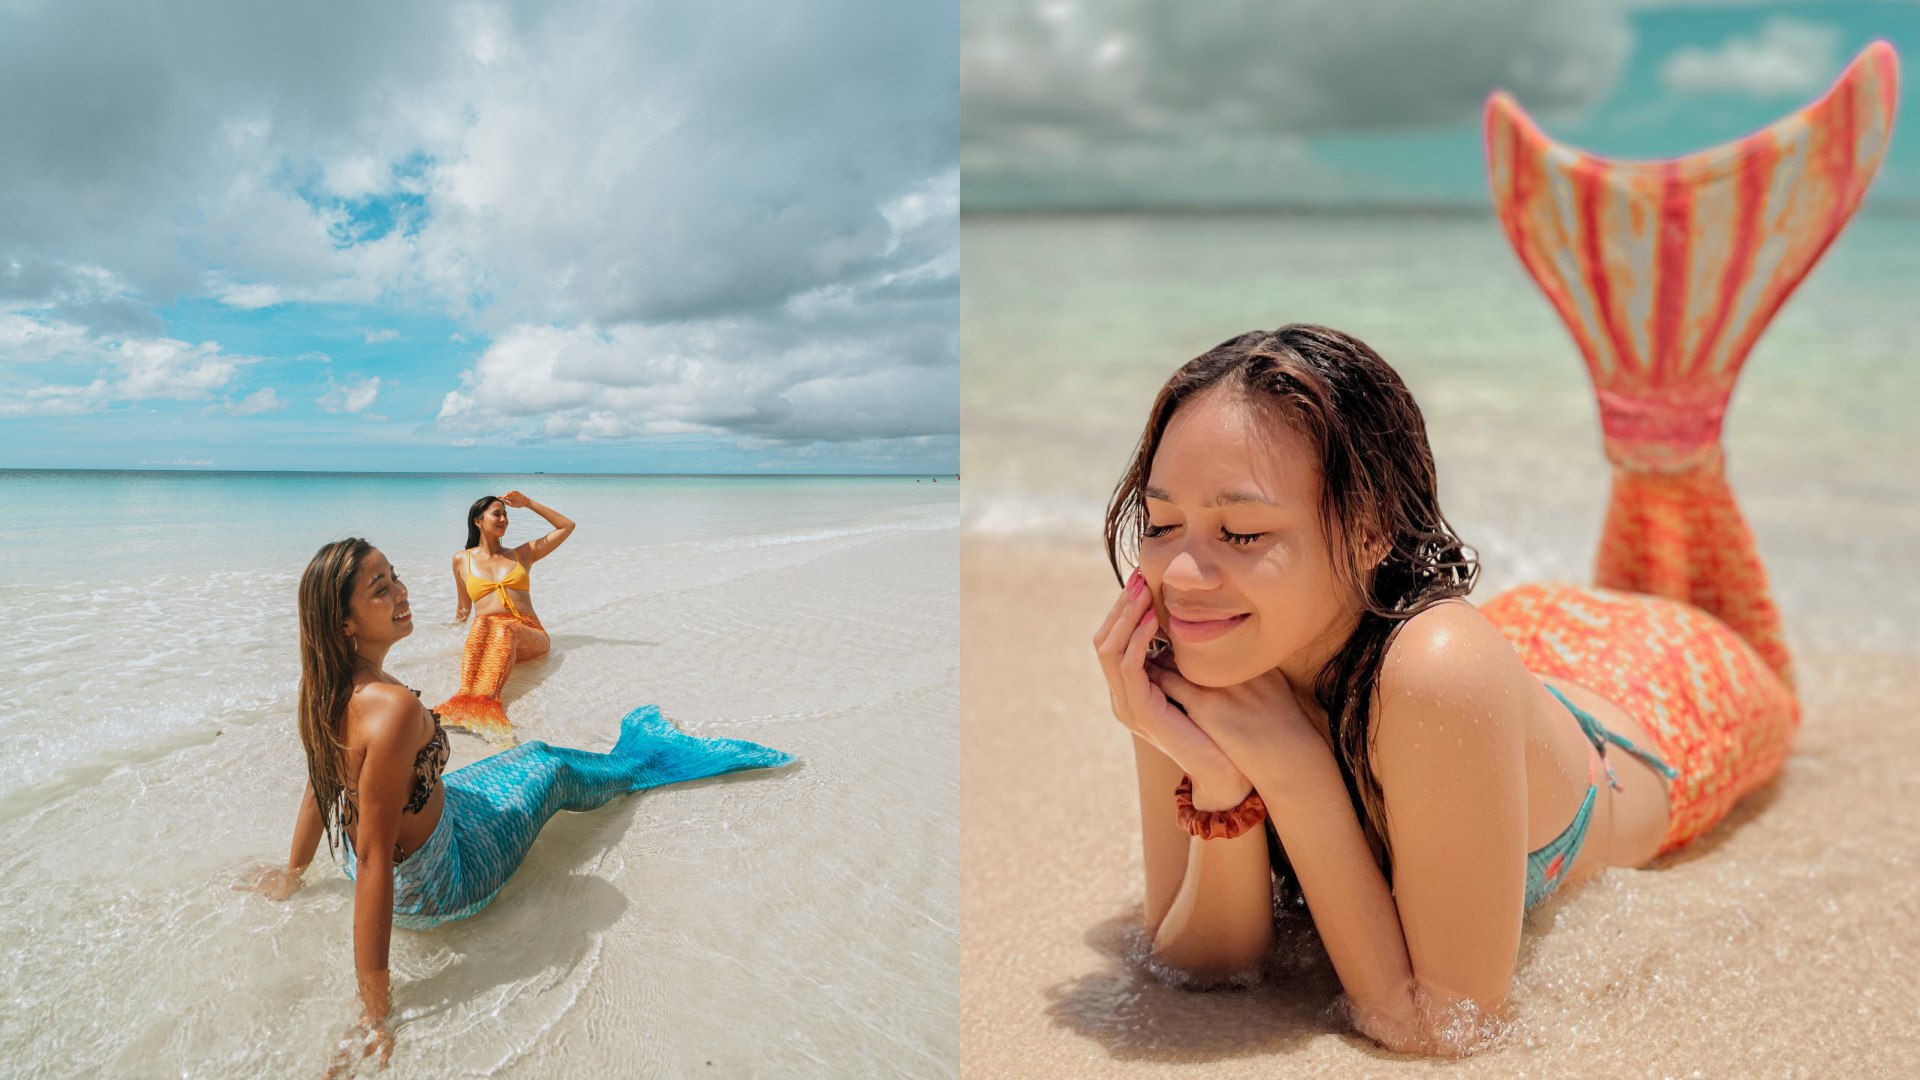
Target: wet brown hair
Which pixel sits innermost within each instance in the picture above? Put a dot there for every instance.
(1378, 487)
(326, 672)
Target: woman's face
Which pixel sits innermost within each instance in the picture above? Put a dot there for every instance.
(1234, 553)
(377, 612)
(493, 520)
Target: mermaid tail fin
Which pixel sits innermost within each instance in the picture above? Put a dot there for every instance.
(1667, 272)
(481, 714)
(485, 663)
(663, 754)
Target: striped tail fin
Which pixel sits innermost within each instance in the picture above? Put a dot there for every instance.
(1668, 271)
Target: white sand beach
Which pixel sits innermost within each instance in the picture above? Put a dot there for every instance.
(802, 921)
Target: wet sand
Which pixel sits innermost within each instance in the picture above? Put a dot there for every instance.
(1782, 944)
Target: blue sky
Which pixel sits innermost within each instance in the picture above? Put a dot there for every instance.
(562, 236)
(1302, 102)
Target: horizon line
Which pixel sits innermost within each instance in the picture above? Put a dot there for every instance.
(418, 472)
(1904, 207)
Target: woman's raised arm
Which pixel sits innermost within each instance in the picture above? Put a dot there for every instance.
(534, 550)
(1209, 902)
(1449, 752)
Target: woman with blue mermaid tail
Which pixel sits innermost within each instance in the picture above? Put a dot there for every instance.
(425, 849)
(1309, 694)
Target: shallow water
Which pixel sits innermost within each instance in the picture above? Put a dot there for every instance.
(767, 923)
(1781, 944)
(1070, 324)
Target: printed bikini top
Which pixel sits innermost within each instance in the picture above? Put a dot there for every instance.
(516, 579)
(427, 766)
(1546, 866)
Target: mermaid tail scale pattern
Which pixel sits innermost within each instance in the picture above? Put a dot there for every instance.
(495, 807)
(1667, 272)
(485, 664)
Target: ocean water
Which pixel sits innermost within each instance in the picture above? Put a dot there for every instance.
(1071, 323)
(759, 924)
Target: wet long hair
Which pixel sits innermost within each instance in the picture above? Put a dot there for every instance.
(473, 512)
(326, 672)
(1378, 492)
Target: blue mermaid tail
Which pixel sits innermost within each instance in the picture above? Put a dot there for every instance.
(496, 806)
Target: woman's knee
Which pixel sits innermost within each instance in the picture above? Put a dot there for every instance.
(529, 643)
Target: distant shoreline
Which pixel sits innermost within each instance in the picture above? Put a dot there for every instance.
(1891, 208)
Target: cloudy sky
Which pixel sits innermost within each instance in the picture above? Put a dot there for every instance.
(570, 235)
(1280, 102)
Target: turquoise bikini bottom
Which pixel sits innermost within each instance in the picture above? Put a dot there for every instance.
(496, 806)
(1546, 867)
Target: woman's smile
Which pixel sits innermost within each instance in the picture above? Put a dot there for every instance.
(1197, 624)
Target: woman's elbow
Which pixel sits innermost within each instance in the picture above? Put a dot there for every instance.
(1428, 1025)
(1207, 964)
(370, 867)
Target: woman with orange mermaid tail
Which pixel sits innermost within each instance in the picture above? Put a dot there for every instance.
(491, 583)
(1310, 696)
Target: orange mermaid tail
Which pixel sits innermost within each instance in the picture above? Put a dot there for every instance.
(1717, 713)
(490, 653)
(1666, 273)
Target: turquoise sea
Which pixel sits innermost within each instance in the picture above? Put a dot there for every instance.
(1070, 323)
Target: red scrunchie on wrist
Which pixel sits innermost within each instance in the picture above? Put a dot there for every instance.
(1217, 824)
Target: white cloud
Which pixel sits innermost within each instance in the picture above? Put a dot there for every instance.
(255, 403)
(26, 338)
(117, 369)
(585, 166)
(818, 375)
(251, 297)
(1082, 102)
(1787, 58)
(56, 400)
(352, 396)
(165, 368)
(376, 337)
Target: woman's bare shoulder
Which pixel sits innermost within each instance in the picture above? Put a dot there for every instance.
(1449, 671)
(1449, 649)
(380, 712)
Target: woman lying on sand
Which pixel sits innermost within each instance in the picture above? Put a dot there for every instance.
(492, 583)
(1427, 769)
(427, 849)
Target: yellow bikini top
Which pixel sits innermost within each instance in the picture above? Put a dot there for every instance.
(516, 578)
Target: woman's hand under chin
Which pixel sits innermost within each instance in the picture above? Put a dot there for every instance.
(1258, 724)
(1143, 709)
